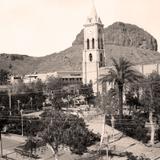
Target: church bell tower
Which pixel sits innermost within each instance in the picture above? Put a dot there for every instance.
(93, 52)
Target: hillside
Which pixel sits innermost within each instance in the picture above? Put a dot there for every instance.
(121, 39)
(123, 34)
(18, 64)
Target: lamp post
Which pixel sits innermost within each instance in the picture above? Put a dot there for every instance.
(31, 102)
(113, 125)
(18, 102)
(68, 99)
(10, 103)
(1, 144)
(21, 111)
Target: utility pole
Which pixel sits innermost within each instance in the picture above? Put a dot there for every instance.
(113, 125)
(18, 101)
(68, 99)
(104, 138)
(21, 111)
(31, 103)
(151, 118)
(1, 144)
(10, 102)
(103, 130)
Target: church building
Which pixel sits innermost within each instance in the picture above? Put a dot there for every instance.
(95, 63)
(93, 53)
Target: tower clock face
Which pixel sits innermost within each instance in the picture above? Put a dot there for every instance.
(89, 31)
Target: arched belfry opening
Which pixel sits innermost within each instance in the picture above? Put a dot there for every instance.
(101, 43)
(90, 57)
(101, 60)
(88, 45)
(93, 43)
(98, 43)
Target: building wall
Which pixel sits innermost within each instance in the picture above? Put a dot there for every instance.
(65, 77)
(149, 68)
(15, 80)
(145, 69)
(90, 69)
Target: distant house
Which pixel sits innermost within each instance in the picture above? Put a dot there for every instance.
(15, 79)
(70, 77)
(67, 77)
(30, 78)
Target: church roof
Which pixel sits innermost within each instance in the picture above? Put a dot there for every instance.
(93, 17)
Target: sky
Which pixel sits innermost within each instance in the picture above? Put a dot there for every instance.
(42, 27)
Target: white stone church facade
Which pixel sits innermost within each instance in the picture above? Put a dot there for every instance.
(93, 53)
(94, 60)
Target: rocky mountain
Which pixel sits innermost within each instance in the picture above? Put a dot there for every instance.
(123, 34)
(128, 35)
(121, 39)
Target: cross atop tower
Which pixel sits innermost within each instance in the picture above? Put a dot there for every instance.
(93, 16)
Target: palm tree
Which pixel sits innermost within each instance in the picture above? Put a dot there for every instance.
(120, 74)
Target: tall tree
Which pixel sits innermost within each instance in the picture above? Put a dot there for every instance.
(107, 102)
(62, 130)
(3, 121)
(4, 75)
(56, 93)
(87, 91)
(132, 97)
(120, 74)
(150, 99)
(54, 84)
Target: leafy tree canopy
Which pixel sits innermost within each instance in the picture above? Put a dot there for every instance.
(4, 76)
(150, 97)
(60, 129)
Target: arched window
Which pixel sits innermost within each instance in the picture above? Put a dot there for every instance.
(101, 43)
(92, 43)
(101, 57)
(88, 44)
(101, 60)
(98, 43)
(90, 57)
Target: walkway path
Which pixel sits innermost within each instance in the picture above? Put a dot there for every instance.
(94, 123)
(124, 143)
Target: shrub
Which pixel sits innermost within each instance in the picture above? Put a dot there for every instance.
(30, 126)
(132, 126)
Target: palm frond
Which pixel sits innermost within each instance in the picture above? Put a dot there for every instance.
(133, 76)
(122, 72)
(108, 77)
(115, 64)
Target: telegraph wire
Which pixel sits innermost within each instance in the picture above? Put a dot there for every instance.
(70, 119)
